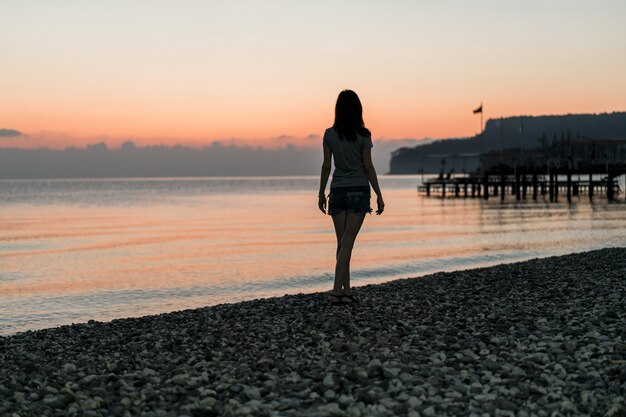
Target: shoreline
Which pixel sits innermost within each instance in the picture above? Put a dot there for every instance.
(526, 338)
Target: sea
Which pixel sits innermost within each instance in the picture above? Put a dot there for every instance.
(98, 249)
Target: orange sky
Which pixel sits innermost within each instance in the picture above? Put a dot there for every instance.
(75, 73)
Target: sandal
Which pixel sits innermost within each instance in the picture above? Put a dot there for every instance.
(350, 297)
(335, 299)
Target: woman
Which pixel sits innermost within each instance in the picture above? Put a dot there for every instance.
(349, 143)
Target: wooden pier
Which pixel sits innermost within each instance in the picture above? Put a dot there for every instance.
(571, 168)
(525, 183)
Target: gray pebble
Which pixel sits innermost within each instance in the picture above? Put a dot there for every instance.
(252, 393)
(328, 381)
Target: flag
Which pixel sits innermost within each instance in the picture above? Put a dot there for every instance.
(479, 110)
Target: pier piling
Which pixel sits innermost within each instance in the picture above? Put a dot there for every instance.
(486, 185)
(546, 185)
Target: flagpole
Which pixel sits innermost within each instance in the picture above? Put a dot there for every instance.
(480, 129)
(482, 139)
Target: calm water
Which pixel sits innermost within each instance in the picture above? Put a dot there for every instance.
(74, 250)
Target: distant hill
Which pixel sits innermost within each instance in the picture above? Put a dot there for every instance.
(509, 132)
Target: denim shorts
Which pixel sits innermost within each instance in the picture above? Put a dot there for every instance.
(356, 198)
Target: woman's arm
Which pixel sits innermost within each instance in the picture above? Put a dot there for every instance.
(326, 166)
(370, 172)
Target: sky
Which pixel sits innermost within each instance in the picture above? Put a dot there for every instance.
(267, 73)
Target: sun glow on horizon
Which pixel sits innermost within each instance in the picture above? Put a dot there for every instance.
(76, 73)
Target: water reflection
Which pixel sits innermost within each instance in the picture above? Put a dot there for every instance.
(75, 250)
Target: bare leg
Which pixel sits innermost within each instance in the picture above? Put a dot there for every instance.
(352, 225)
(339, 221)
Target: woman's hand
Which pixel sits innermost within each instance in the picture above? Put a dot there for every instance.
(381, 205)
(321, 203)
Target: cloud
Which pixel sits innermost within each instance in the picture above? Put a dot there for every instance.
(9, 133)
(59, 155)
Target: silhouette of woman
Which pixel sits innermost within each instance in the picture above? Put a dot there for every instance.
(349, 143)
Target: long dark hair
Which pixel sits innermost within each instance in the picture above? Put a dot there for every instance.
(349, 116)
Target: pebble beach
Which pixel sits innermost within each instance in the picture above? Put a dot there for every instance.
(545, 337)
